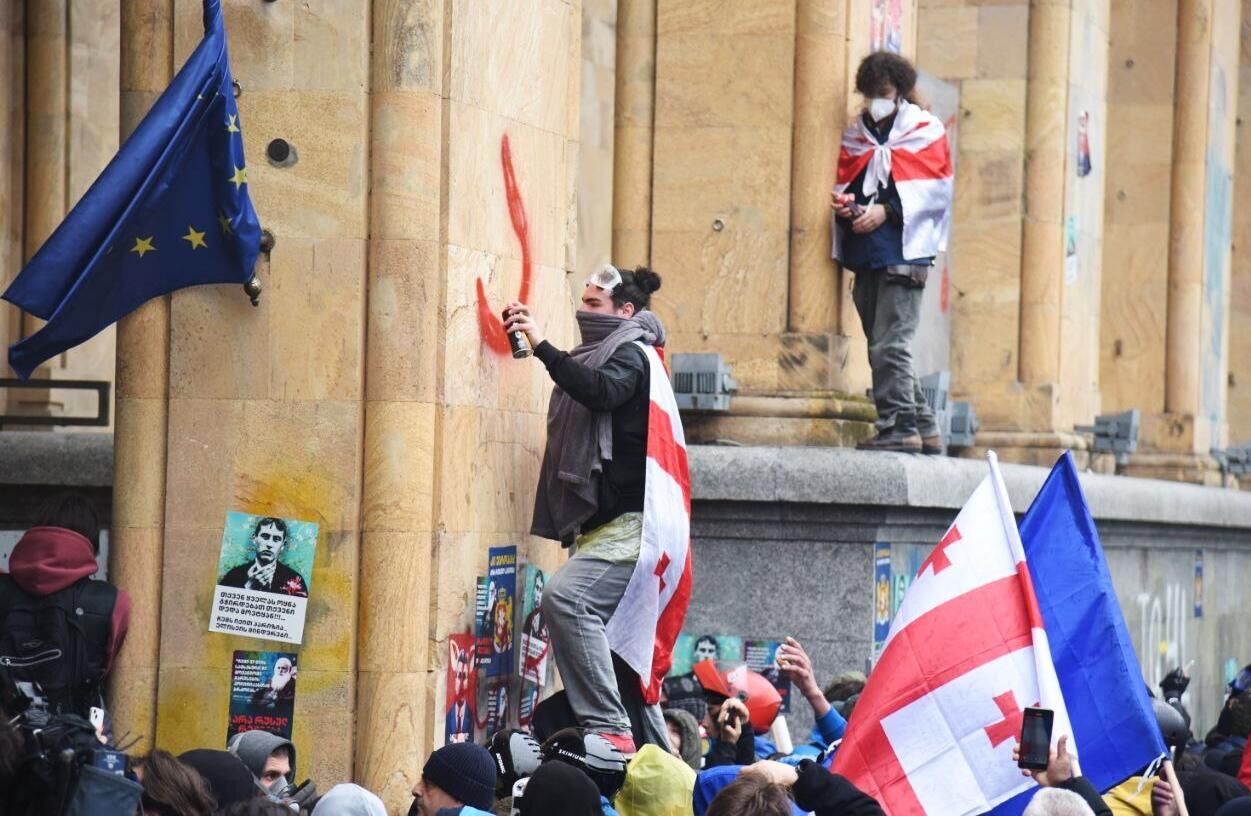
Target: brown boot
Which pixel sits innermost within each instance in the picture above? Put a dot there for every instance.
(893, 440)
(933, 446)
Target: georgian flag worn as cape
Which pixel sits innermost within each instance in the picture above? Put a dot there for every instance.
(645, 626)
(935, 726)
(917, 155)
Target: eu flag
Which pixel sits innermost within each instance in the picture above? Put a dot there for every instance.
(170, 210)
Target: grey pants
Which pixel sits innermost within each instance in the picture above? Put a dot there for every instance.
(889, 307)
(577, 603)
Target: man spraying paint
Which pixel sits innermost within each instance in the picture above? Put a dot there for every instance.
(892, 208)
(613, 485)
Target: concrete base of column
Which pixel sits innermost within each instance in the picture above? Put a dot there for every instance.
(826, 418)
(1192, 468)
(1034, 448)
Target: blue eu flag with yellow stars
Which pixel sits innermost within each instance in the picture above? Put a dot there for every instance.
(170, 210)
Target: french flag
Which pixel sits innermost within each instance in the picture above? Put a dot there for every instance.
(992, 625)
(646, 624)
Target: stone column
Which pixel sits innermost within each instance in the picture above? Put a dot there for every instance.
(12, 149)
(1239, 402)
(47, 115)
(1177, 442)
(635, 115)
(1042, 261)
(142, 388)
(407, 263)
(1185, 269)
(820, 104)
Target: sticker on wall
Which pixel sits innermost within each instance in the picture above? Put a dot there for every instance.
(692, 649)
(1083, 145)
(1198, 583)
(1070, 249)
(881, 596)
(262, 693)
(495, 703)
(460, 689)
(534, 644)
(886, 26)
(762, 656)
(263, 577)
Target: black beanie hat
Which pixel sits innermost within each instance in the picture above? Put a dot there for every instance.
(229, 780)
(464, 771)
(558, 789)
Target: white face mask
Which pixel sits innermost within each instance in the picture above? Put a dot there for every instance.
(880, 108)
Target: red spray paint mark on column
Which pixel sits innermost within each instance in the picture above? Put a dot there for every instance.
(490, 324)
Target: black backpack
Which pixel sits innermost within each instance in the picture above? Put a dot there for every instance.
(58, 642)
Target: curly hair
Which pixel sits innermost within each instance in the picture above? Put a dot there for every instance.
(882, 68)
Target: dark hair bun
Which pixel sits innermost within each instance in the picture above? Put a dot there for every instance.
(646, 279)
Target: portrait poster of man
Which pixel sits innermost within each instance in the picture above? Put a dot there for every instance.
(461, 692)
(762, 656)
(264, 574)
(691, 649)
(534, 644)
(494, 698)
(262, 693)
(497, 628)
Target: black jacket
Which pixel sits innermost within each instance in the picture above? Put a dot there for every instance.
(825, 794)
(1082, 787)
(286, 580)
(621, 386)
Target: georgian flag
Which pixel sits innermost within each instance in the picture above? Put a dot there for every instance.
(645, 626)
(934, 730)
(917, 155)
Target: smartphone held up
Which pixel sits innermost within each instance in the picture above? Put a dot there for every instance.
(1035, 749)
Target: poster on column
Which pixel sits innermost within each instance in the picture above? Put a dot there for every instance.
(534, 644)
(495, 613)
(762, 656)
(881, 596)
(460, 689)
(262, 693)
(691, 649)
(263, 577)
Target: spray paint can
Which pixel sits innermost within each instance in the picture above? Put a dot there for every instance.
(518, 342)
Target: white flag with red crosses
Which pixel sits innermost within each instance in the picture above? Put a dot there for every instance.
(646, 623)
(934, 729)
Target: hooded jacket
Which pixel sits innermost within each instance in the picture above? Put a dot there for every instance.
(47, 560)
(255, 747)
(688, 728)
(348, 800)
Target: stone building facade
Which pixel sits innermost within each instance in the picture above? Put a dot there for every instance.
(367, 391)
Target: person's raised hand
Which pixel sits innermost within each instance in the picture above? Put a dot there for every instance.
(519, 317)
(795, 664)
(1059, 764)
(778, 773)
(730, 720)
(874, 216)
(1163, 800)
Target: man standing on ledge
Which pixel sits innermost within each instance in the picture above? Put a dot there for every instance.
(892, 208)
(614, 485)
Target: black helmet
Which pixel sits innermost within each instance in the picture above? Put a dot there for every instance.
(517, 755)
(590, 753)
(1172, 725)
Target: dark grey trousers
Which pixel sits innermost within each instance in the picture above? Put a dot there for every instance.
(889, 308)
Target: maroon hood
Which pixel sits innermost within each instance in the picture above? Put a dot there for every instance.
(48, 559)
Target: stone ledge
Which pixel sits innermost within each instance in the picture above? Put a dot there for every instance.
(848, 476)
(55, 458)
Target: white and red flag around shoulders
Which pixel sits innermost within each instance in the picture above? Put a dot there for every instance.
(934, 729)
(646, 624)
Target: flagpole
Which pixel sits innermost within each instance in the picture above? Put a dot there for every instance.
(1170, 775)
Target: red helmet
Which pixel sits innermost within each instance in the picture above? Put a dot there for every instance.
(731, 679)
